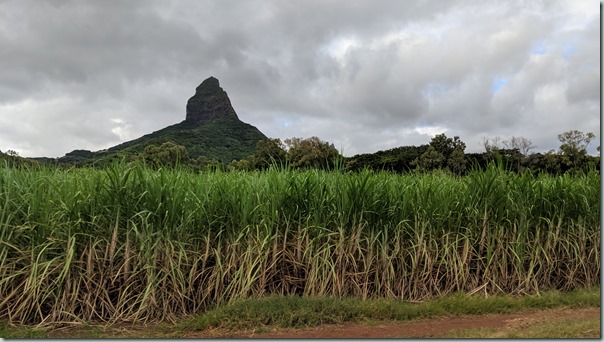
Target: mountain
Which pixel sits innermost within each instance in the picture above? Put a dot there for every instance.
(211, 128)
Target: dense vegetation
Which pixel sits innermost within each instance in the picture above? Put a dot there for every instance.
(129, 242)
(443, 153)
(223, 140)
(229, 144)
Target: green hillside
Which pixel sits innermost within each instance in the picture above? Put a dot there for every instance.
(211, 129)
(223, 139)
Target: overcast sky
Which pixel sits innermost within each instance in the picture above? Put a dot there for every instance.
(365, 75)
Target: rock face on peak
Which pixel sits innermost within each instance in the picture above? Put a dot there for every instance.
(209, 102)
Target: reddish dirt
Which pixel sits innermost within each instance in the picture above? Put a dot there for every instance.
(425, 328)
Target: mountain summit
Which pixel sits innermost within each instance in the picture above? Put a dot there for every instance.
(211, 129)
(209, 102)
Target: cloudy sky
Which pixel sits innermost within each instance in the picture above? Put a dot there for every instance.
(365, 75)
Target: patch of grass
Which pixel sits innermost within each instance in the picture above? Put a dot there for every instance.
(278, 311)
(8, 331)
(575, 328)
(88, 331)
(461, 304)
(295, 311)
(567, 328)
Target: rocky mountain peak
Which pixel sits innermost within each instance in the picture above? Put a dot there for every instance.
(209, 102)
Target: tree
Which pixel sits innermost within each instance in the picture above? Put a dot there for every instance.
(574, 147)
(12, 153)
(203, 163)
(239, 165)
(574, 142)
(457, 161)
(430, 160)
(311, 152)
(167, 154)
(522, 144)
(443, 152)
(446, 145)
(494, 145)
(552, 162)
(491, 145)
(268, 152)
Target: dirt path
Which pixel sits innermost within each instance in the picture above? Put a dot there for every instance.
(430, 328)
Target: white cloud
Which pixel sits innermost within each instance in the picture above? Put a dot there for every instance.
(430, 131)
(88, 74)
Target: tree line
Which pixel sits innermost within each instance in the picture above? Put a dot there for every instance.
(441, 153)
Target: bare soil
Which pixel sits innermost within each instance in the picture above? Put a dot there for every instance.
(424, 328)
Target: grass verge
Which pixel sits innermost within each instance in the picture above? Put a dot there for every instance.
(297, 312)
(566, 328)
(294, 311)
(7, 331)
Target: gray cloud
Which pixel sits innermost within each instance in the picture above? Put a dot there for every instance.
(366, 75)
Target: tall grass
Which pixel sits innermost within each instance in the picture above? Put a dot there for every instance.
(131, 244)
